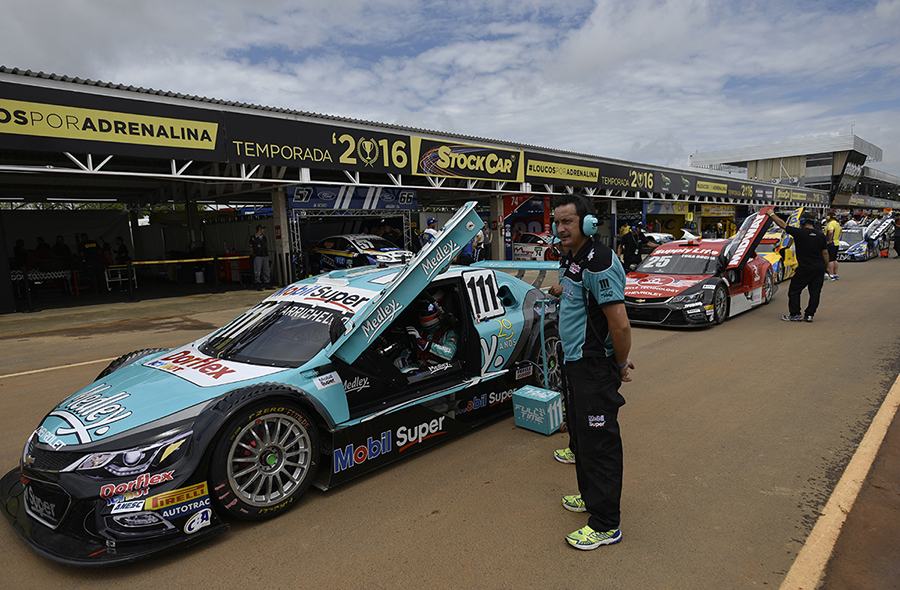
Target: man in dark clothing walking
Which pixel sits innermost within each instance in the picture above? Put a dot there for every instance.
(259, 248)
(812, 259)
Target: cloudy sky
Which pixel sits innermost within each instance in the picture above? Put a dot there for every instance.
(645, 80)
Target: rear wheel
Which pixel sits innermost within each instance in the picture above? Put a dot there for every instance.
(720, 304)
(264, 460)
(552, 347)
(781, 271)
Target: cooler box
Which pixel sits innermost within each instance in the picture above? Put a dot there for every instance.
(538, 409)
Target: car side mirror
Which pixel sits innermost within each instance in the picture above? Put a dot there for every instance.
(335, 329)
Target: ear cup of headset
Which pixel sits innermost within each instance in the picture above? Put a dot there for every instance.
(553, 230)
(589, 225)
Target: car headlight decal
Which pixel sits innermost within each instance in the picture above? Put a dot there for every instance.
(690, 298)
(135, 461)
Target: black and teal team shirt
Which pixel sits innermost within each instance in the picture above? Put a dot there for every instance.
(594, 274)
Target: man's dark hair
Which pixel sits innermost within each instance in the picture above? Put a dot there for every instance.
(583, 206)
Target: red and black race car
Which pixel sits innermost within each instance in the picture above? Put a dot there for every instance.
(698, 282)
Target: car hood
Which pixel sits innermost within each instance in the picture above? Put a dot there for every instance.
(143, 392)
(639, 284)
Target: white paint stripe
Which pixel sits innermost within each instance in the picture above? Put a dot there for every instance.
(59, 367)
(808, 568)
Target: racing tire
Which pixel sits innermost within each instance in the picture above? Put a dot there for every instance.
(360, 261)
(720, 304)
(552, 344)
(550, 255)
(768, 287)
(127, 359)
(265, 459)
(781, 272)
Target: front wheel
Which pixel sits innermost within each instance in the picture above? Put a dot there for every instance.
(264, 460)
(768, 287)
(781, 268)
(720, 304)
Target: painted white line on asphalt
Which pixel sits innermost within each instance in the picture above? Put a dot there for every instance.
(809, 567)
(59, 367)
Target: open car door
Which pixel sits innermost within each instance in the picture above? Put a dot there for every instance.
(878, 228)
(381, 311)
(747, 238)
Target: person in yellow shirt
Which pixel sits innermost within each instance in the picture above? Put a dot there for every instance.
(833, 236)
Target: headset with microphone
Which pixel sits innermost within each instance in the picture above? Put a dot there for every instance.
(589, 222)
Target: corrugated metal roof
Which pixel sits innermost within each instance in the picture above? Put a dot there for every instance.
(305, 114)
(837, 143)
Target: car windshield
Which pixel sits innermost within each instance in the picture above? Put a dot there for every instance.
(679, 263)
(273, 333)
(852, 236)
(373, 243)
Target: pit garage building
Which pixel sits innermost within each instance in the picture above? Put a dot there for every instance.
(71, 140)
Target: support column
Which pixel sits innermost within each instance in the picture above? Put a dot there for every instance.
(281, 245)
(498, 241)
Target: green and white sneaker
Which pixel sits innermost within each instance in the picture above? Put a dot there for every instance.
(564, 455)
(587, 538)
(574, 503)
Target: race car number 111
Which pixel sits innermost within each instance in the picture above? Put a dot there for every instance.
(481, 288)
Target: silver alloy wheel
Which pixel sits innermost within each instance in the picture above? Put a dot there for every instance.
(553, 349)
(269, 459)
(768, 287)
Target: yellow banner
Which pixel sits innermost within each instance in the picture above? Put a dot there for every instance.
(65, 122)
(711, 187)
(718, 210)
(561, 171)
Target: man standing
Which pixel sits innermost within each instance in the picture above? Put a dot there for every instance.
(630, 247)
(431, 231)
(897, 237)
(596, 341)
(90, 253)
(833, 235)
(812, 259)
(259, 248)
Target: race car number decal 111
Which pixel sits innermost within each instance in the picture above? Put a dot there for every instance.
(481, 287)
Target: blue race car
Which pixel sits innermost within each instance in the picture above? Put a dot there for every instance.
(325, 380)
(354, 250)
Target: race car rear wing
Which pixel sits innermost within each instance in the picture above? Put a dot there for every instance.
(518, 268)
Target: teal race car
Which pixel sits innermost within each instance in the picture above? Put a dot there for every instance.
(324, 380)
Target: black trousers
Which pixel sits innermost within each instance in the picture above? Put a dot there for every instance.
(813, 278)
(592, 405)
